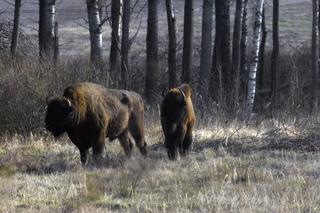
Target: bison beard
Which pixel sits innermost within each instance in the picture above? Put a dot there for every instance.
(90, 113)
(177, 120)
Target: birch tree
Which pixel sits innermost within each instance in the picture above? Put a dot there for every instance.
(187, 41)
(47, 11)
(15, 31)
(206, 47)
(172, 64)
(152, 73)
(125, 44)
(262, 51)
(236, 48)
(254, 57)
(95, 31)
(315, 54)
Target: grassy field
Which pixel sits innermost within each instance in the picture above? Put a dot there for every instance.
(258, 166)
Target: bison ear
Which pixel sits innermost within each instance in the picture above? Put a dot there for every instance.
(50, 98)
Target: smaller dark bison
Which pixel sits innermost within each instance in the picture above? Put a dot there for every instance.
(89, 113)
(177, 120)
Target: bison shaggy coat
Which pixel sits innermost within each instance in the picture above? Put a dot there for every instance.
(89, 113)
(177, 120)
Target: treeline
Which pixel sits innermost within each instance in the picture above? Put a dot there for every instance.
(229, 73)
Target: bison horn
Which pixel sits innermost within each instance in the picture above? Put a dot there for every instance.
(182, 93)
(69, 102)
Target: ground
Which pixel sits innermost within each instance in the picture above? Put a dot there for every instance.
(258, 166)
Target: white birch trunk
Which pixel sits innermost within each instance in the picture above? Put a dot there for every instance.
(254, 58)
(95, 31)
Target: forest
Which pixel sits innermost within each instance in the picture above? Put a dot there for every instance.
(253, 72)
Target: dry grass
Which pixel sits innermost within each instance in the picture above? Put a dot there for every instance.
(262, 166)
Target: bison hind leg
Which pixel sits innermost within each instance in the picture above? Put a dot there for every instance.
(126, 143)
(137, 132)
(187, 141)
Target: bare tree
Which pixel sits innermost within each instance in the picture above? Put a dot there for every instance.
(172, 64)
(187, 41)
(114, 50)
(275, 51)
(236, 49)
(95, 31)
(152, 74)
(56, 43)
(125, 43)
(254, 57)
(315, 54)
(221, 77)
(206, 47)
(15, 31)
(243, 50)
(47, 11)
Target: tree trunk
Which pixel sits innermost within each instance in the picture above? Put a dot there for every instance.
(15, 31)
(95, 32)
(152, 74)
(221, 54)
(315, 53)
(172, 64)
(275, 51)
(125, 44)
(114, 50)
(254, 58)
(187, 41)
(47, 11)
(236, 50)
(262, 51)
(56, 43)
(206, 47)
(243, 51)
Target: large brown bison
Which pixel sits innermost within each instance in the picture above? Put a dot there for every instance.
(89, 113)
(177, 120)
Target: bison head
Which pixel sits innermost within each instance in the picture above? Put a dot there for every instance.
(58, 116)
(172, 110)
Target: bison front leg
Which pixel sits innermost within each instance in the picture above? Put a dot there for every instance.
(187, 141)
(180, 137)
(126, 143)
(83, 156)
(98, 146)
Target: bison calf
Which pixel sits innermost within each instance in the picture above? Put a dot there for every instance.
(89, 113)
(177, 120)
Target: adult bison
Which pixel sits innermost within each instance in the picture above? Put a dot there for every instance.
(89, 113)
(177, 120)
